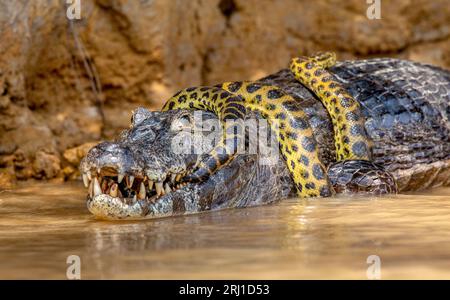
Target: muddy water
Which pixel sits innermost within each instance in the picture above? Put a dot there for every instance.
(42, 224)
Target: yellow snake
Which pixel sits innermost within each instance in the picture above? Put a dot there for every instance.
(229, 101)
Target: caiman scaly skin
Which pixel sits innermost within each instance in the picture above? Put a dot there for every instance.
(406, 112)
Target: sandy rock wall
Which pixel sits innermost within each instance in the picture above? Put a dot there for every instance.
(65, 83)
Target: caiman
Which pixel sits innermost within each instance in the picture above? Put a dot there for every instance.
(369, 126)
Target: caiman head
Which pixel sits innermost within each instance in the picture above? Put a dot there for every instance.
(140, 175)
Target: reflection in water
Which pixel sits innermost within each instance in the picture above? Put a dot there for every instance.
(41, 224)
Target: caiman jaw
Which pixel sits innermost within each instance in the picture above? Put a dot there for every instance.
(131, 194)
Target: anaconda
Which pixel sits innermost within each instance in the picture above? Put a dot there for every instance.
(404, 109)
(294, 134)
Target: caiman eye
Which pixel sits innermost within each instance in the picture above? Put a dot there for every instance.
(181, 123)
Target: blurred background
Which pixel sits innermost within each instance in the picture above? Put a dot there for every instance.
(67, 84)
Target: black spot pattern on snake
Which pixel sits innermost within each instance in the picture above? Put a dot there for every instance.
(293, 164)
(304, 160)
(274, 94)
(318, 171)
(281, 116)
(309, 144)
(177, 93)
(310, 186)
(251, 88)
(346, 102)
(235, 86)
(291, 106)
(318, 72)
(299, 123)
(271, 106)
(291, 135)
(332, 85)
(288, 151)
(239, 107)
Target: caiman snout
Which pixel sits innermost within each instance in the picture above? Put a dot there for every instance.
(135, 172)
(109, 155)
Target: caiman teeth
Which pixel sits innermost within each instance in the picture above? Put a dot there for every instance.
(120, 178)
(167, 188)
(85, 180)
(130, 180)
(159, 188)
(142, 192)
(112, 184)
(97, 189)
(150, 185)
(91, 189)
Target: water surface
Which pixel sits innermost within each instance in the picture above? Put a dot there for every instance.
(42, 224)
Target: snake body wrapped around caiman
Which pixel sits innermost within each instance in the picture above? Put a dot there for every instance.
(403, 106)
